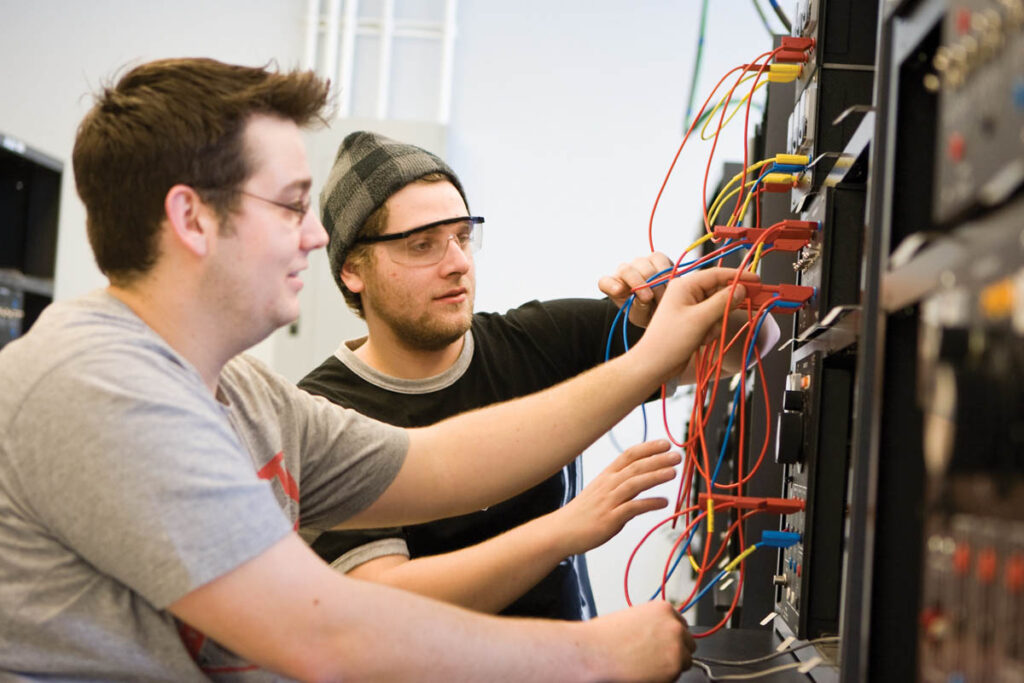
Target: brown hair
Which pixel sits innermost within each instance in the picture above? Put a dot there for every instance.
(168, 122)
(361, 255)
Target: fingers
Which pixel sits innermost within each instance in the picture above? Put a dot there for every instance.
(614, 288)
(630, 276)
(701, 284)
(708, 309)
(688, 640)
(635, 508)
(639, 452)
(682, 635)
(639, 468)
(638, 480)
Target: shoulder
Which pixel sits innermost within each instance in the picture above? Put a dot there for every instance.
(555, 316)
(88, 351)
(332, 379)
(261, 395)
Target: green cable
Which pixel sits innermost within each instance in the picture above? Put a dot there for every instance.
(764, 19)
(756, 106)
(696, 65)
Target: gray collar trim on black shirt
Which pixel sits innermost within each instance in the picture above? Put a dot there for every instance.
(346, 354)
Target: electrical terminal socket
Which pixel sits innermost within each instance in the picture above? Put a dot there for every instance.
(807, 259)
(759, 294)
(778, 506)
(797, 43)
(793, 235)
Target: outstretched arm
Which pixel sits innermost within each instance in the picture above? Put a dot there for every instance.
(311, 623)
(530, 438)
(489, 576)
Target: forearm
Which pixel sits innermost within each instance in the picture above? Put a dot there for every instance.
(421, 639)
(486, 577)
(310, 623)
(493, 453)
(474, 460)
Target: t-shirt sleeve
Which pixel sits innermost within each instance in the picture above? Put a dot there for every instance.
(141, 473)
(346, 550)
(346, 460)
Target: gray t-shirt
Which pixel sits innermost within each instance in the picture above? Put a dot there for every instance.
(124, 485)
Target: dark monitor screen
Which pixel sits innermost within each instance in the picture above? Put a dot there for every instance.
(29, 207)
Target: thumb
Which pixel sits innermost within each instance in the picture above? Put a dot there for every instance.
(711, 310)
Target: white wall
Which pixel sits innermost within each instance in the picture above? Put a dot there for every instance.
(565, 118)
(56, 53)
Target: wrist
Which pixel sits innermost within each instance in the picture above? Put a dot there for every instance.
(645, 368)
(553, 535)
(593, 662)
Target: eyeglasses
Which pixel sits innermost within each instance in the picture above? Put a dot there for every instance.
(427, 244)
(301, 208)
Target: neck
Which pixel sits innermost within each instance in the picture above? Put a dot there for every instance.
(187, 328)
(385, 353)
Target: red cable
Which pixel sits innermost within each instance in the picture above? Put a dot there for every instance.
(739, 584)
(740, 446)
(714, 145)
(629, 563)
(746, 123)
(650, 223)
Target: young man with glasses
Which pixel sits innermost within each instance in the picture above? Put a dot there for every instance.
(401, 251)
(152, 476)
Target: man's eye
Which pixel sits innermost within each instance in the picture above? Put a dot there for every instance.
(421, 245)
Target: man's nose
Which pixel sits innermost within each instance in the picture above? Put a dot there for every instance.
(455, 259)
(314, 236)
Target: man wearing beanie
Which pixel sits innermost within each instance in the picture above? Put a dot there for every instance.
(392, 211)
(153, 476)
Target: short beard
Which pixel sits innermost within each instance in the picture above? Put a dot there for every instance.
(423, 334)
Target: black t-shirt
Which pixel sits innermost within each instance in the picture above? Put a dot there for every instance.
(528, 349)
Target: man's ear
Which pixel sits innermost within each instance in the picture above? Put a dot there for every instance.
(190, 220)
(351, 277)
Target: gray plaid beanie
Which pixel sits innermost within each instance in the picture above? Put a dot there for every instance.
(368, 169)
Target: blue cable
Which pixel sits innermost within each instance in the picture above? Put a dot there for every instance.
(625, 327)
(746, 364)
(781, 15)
(728, 429)
(625, 345)
(709, 586)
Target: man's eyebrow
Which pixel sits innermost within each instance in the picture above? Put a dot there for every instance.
(300, 184)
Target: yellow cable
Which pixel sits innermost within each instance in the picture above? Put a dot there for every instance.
(711, 518)
(717, 207)
(768, 179)
(699, 242)
(746, 172)
(718, 105)
(737, 217)
(703, 129)
(757, 257)
(722, 197)
(792, 159)
(739, 558)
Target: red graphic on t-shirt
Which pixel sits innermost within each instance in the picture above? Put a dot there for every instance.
(275, 469)
(193, 640)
